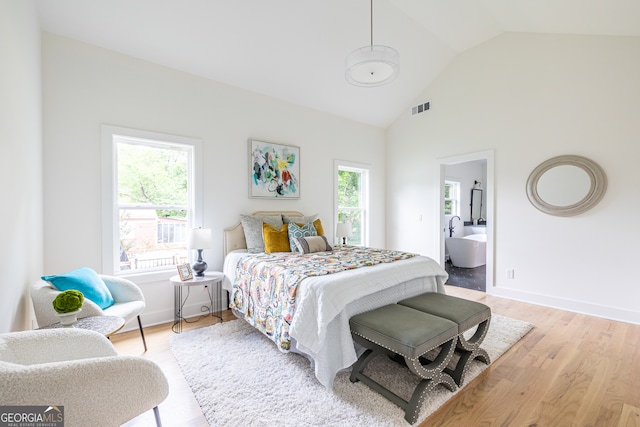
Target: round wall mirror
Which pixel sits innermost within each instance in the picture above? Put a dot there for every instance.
(566, 185)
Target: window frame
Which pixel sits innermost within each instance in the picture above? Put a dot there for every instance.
(110, 206)
(365, 170)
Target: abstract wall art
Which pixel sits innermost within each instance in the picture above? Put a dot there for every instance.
(275, 170)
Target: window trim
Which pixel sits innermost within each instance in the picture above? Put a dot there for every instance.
(110, 228)
(356, 167)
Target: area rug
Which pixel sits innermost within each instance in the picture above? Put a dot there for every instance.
(240, 378)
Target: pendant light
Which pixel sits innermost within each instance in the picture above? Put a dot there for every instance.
(373, 65)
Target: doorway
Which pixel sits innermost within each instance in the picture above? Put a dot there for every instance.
(465, 170)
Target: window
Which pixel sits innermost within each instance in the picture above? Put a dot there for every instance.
(352, 200)
(451, 197)
(149, 187)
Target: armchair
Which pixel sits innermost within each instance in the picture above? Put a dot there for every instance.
(80, 370)
(129, 302)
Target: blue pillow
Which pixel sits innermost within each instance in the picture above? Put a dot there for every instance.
(86, 281)
(295, 230)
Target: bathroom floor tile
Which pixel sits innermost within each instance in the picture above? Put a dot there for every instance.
(469, 278)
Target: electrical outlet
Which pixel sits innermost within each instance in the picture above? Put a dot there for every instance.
(510, 273)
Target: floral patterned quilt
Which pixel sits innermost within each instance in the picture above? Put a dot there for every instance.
(264, 290)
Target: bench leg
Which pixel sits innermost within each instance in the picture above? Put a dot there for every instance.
(470, 350)
(357, 374)
(432, 375)
(360, 364)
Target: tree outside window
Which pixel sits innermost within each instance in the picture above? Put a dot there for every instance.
(352, 200)
(153, 203)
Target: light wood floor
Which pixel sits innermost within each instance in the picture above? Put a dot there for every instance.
(570, 370)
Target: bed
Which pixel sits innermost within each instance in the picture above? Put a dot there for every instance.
(318, 324)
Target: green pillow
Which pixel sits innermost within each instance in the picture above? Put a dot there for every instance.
(86, 281)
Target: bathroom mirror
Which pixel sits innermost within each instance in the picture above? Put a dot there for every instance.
(566, 185)
(476, 204)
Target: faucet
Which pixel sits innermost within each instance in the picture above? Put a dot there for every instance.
(451, 227)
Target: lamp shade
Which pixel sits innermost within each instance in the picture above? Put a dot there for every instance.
(200, 238)
(344, 229)
(373, 65)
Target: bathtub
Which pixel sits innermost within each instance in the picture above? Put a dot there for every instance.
(468, 251)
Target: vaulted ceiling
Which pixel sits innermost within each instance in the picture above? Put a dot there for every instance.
(295, 50)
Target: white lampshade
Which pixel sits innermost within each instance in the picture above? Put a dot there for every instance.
(200, 238)
(373, 65)
(344, 229)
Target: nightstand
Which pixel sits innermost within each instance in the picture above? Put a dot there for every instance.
(210, 280)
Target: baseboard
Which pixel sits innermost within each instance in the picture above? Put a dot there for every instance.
(605, 312)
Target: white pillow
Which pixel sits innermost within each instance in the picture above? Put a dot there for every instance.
(299, 219)
(312, 244)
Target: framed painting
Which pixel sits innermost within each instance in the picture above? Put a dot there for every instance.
(274, 169)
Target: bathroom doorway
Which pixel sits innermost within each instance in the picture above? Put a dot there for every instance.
(467, 217)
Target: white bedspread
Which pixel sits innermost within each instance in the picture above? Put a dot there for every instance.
(324, 305)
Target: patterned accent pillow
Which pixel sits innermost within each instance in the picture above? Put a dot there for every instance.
(252, 227)
(296, 230)
(275, 240)
(301, 220)
(309, 245)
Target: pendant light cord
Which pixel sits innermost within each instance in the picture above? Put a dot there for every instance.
(371, 22)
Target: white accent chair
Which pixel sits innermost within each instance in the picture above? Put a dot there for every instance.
(129, 302)
(80, 370)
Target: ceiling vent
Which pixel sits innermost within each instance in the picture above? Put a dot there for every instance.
(419, 108)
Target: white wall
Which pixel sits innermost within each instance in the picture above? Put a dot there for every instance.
(20, 161)
(532, 97)
(86, 86)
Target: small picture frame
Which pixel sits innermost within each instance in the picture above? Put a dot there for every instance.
(185, 272)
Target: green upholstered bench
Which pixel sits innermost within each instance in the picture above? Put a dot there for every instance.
(400, 330)
(466, 314)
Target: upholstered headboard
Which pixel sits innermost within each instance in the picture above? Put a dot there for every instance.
(234, 236)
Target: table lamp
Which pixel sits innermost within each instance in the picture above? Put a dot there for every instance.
(199, 239)
(344, 230)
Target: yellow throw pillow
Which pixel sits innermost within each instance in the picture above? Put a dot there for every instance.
(275, 240)
(318, 225)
